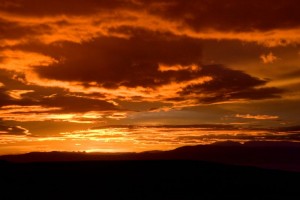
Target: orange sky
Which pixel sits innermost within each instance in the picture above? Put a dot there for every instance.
(68, 66)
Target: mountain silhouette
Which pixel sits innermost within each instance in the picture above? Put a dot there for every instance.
(193, 172)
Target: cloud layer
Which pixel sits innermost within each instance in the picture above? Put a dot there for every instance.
(73, 63)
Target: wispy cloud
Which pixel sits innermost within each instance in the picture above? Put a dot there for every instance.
(258, 117)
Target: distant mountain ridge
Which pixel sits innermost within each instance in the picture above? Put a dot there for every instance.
(271, 155)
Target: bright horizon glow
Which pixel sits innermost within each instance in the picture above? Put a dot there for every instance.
(138, 139)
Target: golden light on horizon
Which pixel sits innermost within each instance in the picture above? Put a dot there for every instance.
(136, 139)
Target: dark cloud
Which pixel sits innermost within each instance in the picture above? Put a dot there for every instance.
(230, 84)
(5, 99)
(167, 127)
(289, 128)
(111, 62)
(14, 30)
(67, 103)
(202, 14)
(233, 15)
(13, 130)
(76, 104)
(248, 137)
(58, 7)
(55, 97)
(294, 74)
(132, 62)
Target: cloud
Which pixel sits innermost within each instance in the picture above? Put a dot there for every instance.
(170, 61)
(12, 30)
(69, 104)
(133, 62)
(291, 75)
(149, 63)
(58, 108)
(56, 114)
(268, 58)
(35, 103)
(17, 94)
(242, 137)
(290, 129)
(269, 23)
(258, 117)
(229, 84)
(4, 97)
(168, 137)
(13, 130)
(20, 61)
(68, 7)
(230, 15)
(164, 68)
(148, 66)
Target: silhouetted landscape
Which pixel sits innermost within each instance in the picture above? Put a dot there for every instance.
(253, 169)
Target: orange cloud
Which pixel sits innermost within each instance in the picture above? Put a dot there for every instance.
(138, 138)
(40, 113)
(164, 68)
(17, 94)
(13, 130)
(179, 18)
(258, 117)
(268, 58)
(20, 61)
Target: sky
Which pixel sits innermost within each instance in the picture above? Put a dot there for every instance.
(135, 75)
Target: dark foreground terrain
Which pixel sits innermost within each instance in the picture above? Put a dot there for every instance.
(142, 180)
(155, 175)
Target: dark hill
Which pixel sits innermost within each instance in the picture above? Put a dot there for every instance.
(271, 155)
(176, 174)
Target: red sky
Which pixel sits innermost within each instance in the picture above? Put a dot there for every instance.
(68, 68)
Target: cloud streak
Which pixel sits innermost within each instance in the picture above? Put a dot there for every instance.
(258, 117)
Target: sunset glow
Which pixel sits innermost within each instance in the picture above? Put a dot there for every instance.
(137, 75)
